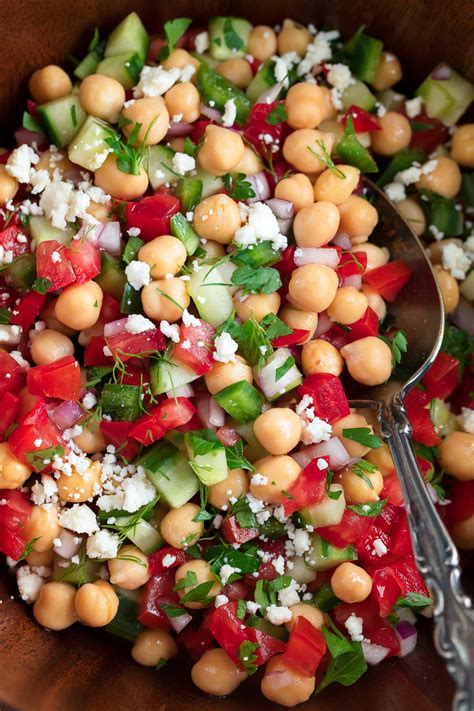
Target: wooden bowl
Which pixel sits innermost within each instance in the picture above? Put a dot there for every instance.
(81, 669)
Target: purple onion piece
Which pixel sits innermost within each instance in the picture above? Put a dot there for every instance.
(463, 317)
(115, 327)
(284, 209)
(316, 255)
(342, 240)
(67, 414)
(178, 129)
(259, 183)
(442, 72)
(211, 113)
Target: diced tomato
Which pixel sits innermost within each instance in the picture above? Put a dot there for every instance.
(349, 531)
(351, 263)
(199, 129)
(235, 590)
(35, 426)
(199, 355)
(392, 490)
(257, 126)
(233, 533)
(12, 375)
(126, 345)
(94, 352)
(268, 646)
(400, 544)
(442, 377)
(110, 310)
(286, 266)
(417, 407)
(156, 44)
(427, 139)
(375, 628)
(156, 565)
(24, 313)
(14, 513)
(9, 240)
(61, 379)
(396, 580)
(9, 406)
(158, 591)
(152, 215)
(227, 435)
(58, 272)
(305, 648)
(84, 259)
(195, 423)
(196, 640)
(389, 279)
(337, 337)
(366, 550)
(116, 433)
(462, 501)
(367, 325)
(309, 488)
(363, 121)
(295, 338)
(329, 399)
(167, 416)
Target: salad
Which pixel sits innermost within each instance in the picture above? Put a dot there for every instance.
(187, 284)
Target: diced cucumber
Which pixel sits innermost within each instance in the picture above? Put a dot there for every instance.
(467, 287)
(443, 419)
(86, 571)
(363, 54)
(241, 401)
(212, 297)
(263, 80)
(143, 534)
(131, 249)
(211, 184)
(358, 94)
(62, 118)
(42, 230)
(171, 474)
(184, 231)
(253, 449)
(273, 529)
(301, 572)
(169, 373)
(189, 192)
(446, 99)
(111, 278)
(129, 36)
(125, 68)
(209, 467)
(21, 273)
(88, 65)
(323, 556)
(214, 87)
(328, 512)
(158, 166)
(401, 161)
(125, 623)
(131, 302)
(89, 149)
(228, 37)
(392, 100)
(121, 402)
(271, 382)
(324, 598)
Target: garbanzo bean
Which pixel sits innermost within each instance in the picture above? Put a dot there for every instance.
(456, 455)
(462, 534)
(278, 430)
(358, 219)
(445, 179)
(237, 70)
(43, 524)
(394, 135)
(302, 150)
(222, 375)
(123, 186)
(309, 612)
(375, 301)
(376, 256)
(151, 646)
(349, 305)
(250, 164)
(180, 59)
(358, 490)
(183, 99)
(91, 439)
(352, 421)
(389, 72)
(54, 161)
(217, 218)
(293, 37)
(316, 224)
(350, 583)
(256, 306)
(102, 96)
(129, 570)
(297, 189)
(213, 249)
(318, 356)
(164, 255)
(78, 306)
(449, 288)
(216, 674)
(8, 186)
(158, 297)
(38, 558)
(13, 473)
(48, 346)
(313, 287)
(297, 319)
(178, 528)
(262, 42)
(49, 83)
(368, 360)
(281, 472)
(152, 114)
(332, 187)
(235, 485)
(221, 150)
(203, 573)
(382, 459)
(96, 603)
(48, 315)
(462, 145)
(80, 487)
(413, 214)
(54, 608)
(285, 686)
(305, 105)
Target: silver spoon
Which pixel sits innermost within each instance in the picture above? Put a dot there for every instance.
(419, 312)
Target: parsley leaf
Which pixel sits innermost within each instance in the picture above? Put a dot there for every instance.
(41, 458)
(174, 29)
(132, 248)
(336, 642)
(161, 663)
(203, 442)
(203, 515)
(232, 39)
(244, 559)
(458, 344)
(324, 598)
(200, 593)
(189, 580)
(235, 457)
(266, 591)
(172, 610)
(352, 152)
(369, 509)
(243, 513)
(241, 609)
(190, 148)
(248, 657)
(345, 669)
(238, 186)
(42, 285)
(254, 344)
(264, 280)
(28, 548)
(363, 436)
(335, 495)
(129, 157)
(397, 344)
(277, 115)
(30, 123)
(5, 315)
(413, 599)
(275, 327)
(284, 368)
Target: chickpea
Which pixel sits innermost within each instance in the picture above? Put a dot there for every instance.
(413, 214)
(91, 439)
(350, 583)
(256, 306)
(382, 459)
(309, 612)
(389, 72)
(305, 105)
(293, 37)
(436, 249)
(177, 143)
(449, 288)
(156, 299)
(285, 686)
(278, 430)
(221, 150)
(376, 256)
(178, 528)
(53, 160)
(375, 301)
(235, 485)
(316, 224)
(216, 674)
(456, 455)
(118, 184)
(151, 646)
(80, 487)
(213, 249)
(462, 534)
(217, 218)
(358, 219)
(8, 186)
(49, 83)
(319, 356)
(48, 315)
(297, 319)
(54, 608)
(152, 114)
(203, 573)
(180, 59)
(352, 421)
(13, 473)
(49, 346)
(358, 490)
(85, 335)
(297, 189)
(281, 472)
(332, 187)
(184, 99)
(43, 524)
(368, 360)
(462, 145)
(78, 306)
(313, 287)
(96, 603)
(250, 164)
(102, 96)
(237, 70)
(164, 255)
(129, 570)
(394, 135)
(262, 42)
(222, 375)
(349, 306)
(38, 558)
(445, 179)
(299, 146)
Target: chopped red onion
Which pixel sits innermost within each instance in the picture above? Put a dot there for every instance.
(203, 407)
(270, 95)
(374, 653)
(333, 448)
(178, 129)
(464, 316)
(354, 280)
(179, 623)
(407, 636)
(24, 135)
(115, 327)
(66, 414)
(216, 414)
(316, 255)
(283, 225)
(442, 72)
(211, 113)
(68, 547)
(267, 381)
(324, 324)
(342, 240)
(261, 187)
(283, 209)
(181, 391)
(109, 238)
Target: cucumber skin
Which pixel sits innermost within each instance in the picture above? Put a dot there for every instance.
(220, 50)
(129, 35)
(50, 115)
(171, 474)
(213, 86)
(125, 68)
(164, 377)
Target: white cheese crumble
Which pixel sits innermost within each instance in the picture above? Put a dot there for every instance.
(182, 163)
(455, 260)
(261, 225)
(62, 204)
(226, 572)
(155, 81)
(136, 323)
(138, 274)
(278, 615)
(103, 544)
(168, 560)
(170, 330)
(30, 582)
(354, 625)
(89, 401)
(289, 596)
(226, 348)
(201, 42)
(230, 113)
(79, 518)
(395, 191)
(379, 548)
(20, 162)
(134, 231)
(221, 600)
(413, 107)
(317, 52)
(259, 480)
(189, 319)
(466, 420)
(315, 431)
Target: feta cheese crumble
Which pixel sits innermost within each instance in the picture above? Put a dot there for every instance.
(226, 348)
(466, 420)
(201, 42)
(182, 163)
(455, 260)
(138, 274)
(261, 225)
(230, 113)
(354, 626)
(103, 544)
(79, 518)
(136, 323)
(170, 330)
(413, 107)
(278, 615)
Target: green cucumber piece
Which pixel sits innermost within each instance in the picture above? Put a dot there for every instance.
(324, 598)
(323, 556)
(133, 246)
(76, 573)
(184, 231)
(125, 68)
(442, 213)
(129, 36)
(273, 529)
(169, 373)
(62, 118)
(443, 419)
(21, 273)
(241, 401)
(131, 302)
(112, 278)
(89, 148)
(401, 161)
(467, 191)
(253, 450)
(328, 512)
(210, 467)
(211, 184)
(189, 192)
(363, 54)
(358, 94)
(88, 65)
(158, 166)
(142, 534)
(467, 287)
(446, 99)
(121, 402)
(125, 623)
(171, 474)
(210, 284)
(42, 230)
(213, 87)
(228, 37)
(263, 80)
